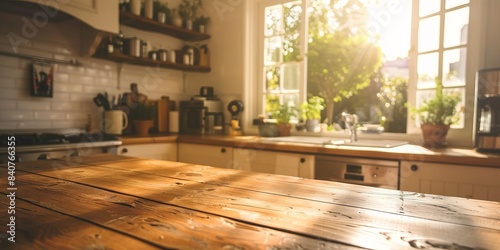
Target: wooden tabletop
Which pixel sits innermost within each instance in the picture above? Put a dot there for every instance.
(118, 202)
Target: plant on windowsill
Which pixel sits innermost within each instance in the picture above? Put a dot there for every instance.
(283, 115)
(311, 112)
(436, 115)
(142, 115)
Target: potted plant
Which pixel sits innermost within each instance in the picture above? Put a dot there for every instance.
(311, 112)
(201, 23)
(161, 11)
(142, 115)
(436, 115)
(188, 10)
(283, 115)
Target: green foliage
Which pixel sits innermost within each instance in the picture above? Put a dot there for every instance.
(441, 110)
(284, 113)
(342, 55)
(312, 108)
(188, 9)
(143, 111)
(160, 6)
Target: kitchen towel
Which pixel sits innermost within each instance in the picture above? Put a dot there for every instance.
(42, 79)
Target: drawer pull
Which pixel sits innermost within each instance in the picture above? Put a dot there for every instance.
(223, 150)
(302, 160)
(124, 150)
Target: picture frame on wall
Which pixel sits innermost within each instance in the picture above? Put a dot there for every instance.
(42, 80)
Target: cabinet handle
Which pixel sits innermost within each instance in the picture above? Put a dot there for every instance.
(124, 150)
(414, 167)
(302, 160)
(223, 150)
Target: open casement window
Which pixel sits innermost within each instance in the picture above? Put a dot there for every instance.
(282, 47)
(442, 39)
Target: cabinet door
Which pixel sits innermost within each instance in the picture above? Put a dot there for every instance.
(453, 180)
(215, 156)
(272, 162)
(159, 151)
(100, 14)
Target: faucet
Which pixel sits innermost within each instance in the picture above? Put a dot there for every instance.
(350, 122)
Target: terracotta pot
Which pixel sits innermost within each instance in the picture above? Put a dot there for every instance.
(434, 135)
(142, 127)
(284, 129)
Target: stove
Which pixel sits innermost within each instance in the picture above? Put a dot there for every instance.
(49, 145)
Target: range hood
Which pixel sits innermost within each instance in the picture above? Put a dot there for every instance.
(100, 16)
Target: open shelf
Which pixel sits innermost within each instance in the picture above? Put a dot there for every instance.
(121, 58)
(139, 22)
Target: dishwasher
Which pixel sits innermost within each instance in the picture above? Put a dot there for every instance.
(360, 171)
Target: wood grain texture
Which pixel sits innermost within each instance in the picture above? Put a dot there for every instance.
(325, 211)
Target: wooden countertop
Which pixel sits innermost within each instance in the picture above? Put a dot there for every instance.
(407, 152)
(117, 202)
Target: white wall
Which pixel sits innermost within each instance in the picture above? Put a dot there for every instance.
(74, 87)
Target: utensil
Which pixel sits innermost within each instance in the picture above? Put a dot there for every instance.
(101, 101)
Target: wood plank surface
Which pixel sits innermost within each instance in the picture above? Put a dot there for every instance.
(303, 213)
(38, 227)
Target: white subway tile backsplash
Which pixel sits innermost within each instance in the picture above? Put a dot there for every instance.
(76, 116)
(74, 86)
(33, 125)
(16, 115)
(78, 79)
(61, 77)
(82, 97)
(11, 72)
(7, 104)
(68, 124)
(7, 125)
(45, 116)
(66, 106)
(33, 105)
(63, 87)
(6, 82)
(12, 94)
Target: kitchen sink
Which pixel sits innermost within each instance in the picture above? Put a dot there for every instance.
(338, 142)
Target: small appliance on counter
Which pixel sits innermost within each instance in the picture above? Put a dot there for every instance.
(235, 107)
(487, 122)
(202, 114)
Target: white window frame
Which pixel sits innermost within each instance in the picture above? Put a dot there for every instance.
(475, 60)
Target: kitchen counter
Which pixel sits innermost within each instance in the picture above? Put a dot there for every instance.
(110, 201)
(405, 152)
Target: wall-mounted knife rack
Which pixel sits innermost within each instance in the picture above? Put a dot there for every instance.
(40, 59)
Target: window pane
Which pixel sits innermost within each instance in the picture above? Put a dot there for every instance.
(455, 27)
(272, 102)
(453, 3)
(428, 7)
(272, 48)
(428, 34)
(292, 100)
(291, 15)
(427, 70)
(273, 20)
(454, 67)
(291, 47)
(272, 78)
(291, 76)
